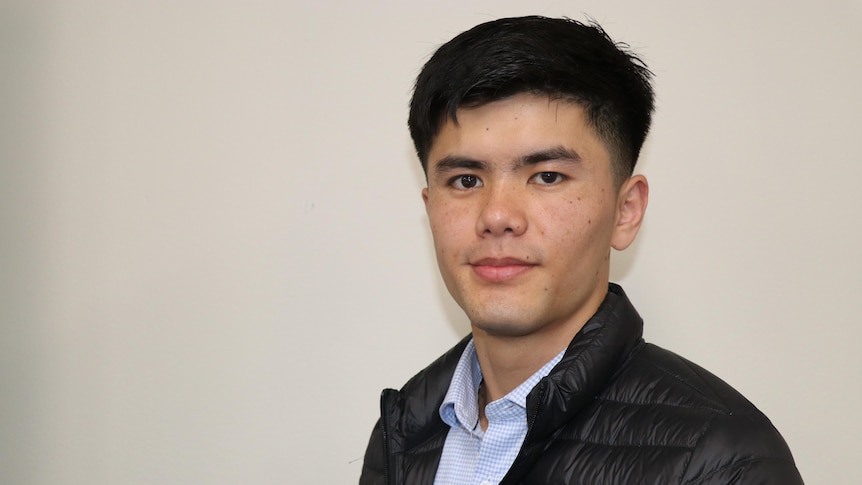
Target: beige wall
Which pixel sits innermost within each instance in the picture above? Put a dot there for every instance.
(214, 254)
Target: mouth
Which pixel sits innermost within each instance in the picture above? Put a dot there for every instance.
(500, 270)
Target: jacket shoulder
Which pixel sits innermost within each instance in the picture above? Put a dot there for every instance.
(658, 376)
(683, 406)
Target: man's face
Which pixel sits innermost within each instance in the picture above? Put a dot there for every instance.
(524, 209)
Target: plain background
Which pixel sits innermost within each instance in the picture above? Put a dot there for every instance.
(214, 252)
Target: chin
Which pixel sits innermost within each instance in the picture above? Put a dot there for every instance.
(502, 326)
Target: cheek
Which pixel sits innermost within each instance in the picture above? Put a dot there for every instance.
(580, 226)
(443, 228)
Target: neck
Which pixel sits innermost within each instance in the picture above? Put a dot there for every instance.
(508, 360)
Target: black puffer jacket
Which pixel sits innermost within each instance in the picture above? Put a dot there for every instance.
(615, 410)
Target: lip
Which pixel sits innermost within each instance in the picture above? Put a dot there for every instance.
(499, 270)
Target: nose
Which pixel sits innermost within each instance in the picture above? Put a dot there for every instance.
(503, 213)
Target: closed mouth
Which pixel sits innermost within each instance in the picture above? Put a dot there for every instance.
(499, 270)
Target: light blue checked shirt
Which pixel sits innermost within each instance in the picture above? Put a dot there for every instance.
(473, 456)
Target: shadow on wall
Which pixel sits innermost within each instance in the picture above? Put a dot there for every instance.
(22, 293)
(623, 261)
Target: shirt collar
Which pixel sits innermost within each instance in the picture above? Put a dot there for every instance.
(460, 405)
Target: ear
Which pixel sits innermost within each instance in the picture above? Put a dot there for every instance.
(631, 206)
(425, 197)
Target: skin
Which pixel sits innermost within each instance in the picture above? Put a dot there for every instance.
(524, 208)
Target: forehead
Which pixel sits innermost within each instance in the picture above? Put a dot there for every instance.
(513, 127)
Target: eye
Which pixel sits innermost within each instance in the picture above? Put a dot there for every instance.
(548, 178)
(464, 182)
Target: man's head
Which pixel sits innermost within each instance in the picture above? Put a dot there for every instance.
(528, 130)
(561, 58)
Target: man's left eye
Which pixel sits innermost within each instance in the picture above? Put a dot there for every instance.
(548, 178)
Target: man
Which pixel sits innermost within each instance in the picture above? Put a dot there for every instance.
(528, 130)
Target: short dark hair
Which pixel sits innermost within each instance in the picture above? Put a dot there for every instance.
(562, 58)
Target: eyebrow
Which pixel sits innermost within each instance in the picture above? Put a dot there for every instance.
(451, 163)
(557, 153)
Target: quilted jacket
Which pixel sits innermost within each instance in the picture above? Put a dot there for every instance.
(615, 410)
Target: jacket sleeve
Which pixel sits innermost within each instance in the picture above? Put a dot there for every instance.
(742, 449)
(774, 471)
(373, 468)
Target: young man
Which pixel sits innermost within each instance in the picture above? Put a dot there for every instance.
(528, 130)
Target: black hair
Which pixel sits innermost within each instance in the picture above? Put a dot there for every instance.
(562, 58)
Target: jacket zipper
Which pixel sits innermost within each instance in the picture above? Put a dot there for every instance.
(531, 420)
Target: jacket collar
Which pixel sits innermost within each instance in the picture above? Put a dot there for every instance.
(592, 358)
(413, 412)
(586, 368)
